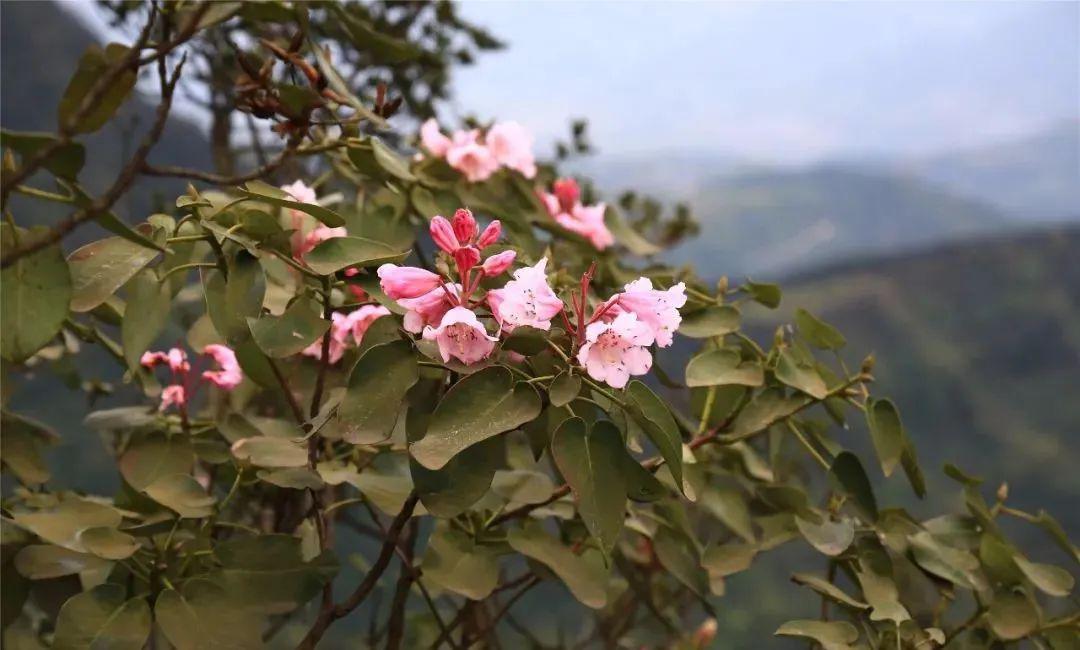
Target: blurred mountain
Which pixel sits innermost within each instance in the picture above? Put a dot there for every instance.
(1034, 178)
(773, 222)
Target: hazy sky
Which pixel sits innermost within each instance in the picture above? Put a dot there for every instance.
(776, 81)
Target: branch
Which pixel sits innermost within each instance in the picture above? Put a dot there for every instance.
(386, 553)
(119, 186)
(396, 625)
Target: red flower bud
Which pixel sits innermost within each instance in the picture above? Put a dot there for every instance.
(490, 234)
(464, 225)
(443, 234)
(466, 258)
(568, 193)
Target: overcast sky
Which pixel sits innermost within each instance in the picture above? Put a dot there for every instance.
(779, 82)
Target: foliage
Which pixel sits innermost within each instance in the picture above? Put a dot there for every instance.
(491, 453)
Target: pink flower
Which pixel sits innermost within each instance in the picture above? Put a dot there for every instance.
(614, 351)
(429, 308)
(359, 320)
(433, 139)
(406, 281)
(659, 310)
(464, 225)
(300, 192)
(317, 236)
(471, 158)
(150, 359)
(344, 327)
(461, 335)
(511, 145)
(442, 233)
(490, 234)
(229, 375)
(568, 212)
(498, 263)
(173, 394)
(525, 300)
(175, 357)
(466, 257)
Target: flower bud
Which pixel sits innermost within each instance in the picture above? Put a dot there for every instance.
(490, 234)
(443, 234)
(466, 258)
(568, 193)
(498, 263)
(464, 225)
(406, 281)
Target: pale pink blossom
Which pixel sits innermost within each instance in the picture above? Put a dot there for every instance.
(171, 395)
(433, 139)
(461, 335)
(467, 155)
(498, 263)
(657, 309)
(429, 308)
(228, 375)
(150, 359)
(442, 233)
(490, 234)
(614, 351)
(318, 235)
(300, 192)
(178, 361)
(360, 319)
(346, 328)
(568, 212)
(399, 282)
(525, 300)
(512, 146)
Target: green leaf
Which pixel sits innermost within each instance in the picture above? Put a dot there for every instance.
(271, 451)
(828, 589)
(728, 505)
(763, 293)
(832, 635)
(103, 618)
(37, 290)
(953, 564)
(1012, 615)
(766, 409)
(680, 557)
(848, 476)
(712, 321)
(274, 196)
(145, 315)
(99, 268)
(22, 447)
(522, 486)
(1058, 535)
(296, 478)
(182, 494)
(587, 582)
(830, 537)
(883, 597)
(108, 543)
(887, 432)
(148, 459)
(591, 462)
(230, 302)
(202, 617)
(94, 65)
(659, 425)
(1051, 579)
(564, 388)
(390, 162)
(452, 490)
(641, 484)
(723, 367)
(527, 340)
(268, 573)
(478, 407)
(728, 559)
(107, 219)
(456, 562)
(800, 373)
(283, 336)
(61, 524)
(65, 162)
(376, 390)
(625, 235)
(44, 561)
(817, 332)
(338, 253)
(366, 38)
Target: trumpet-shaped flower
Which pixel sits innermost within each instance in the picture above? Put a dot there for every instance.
(344, 327)
(433, 139)
(228, 375)
(461, 335)
(429, 308)
(467, 155)
(512, 146)
(525, 300)
(568, 212)
(399, 282)
(614, 351)
(657, 309)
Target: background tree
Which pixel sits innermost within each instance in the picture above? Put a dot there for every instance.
(302, 420)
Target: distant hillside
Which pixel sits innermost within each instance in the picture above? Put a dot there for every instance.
(979, 344)
(772, 222)
(1032, 178)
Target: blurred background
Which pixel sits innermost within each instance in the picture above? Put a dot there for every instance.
(910, 172)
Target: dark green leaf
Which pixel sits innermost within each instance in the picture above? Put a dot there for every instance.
(801, 373)
(268, 572)
(338, 253)
(817, 332)
(182, 494)
(591, 461)
(145, 315)
(377, 388)
(1012, 615)
(95, 64)
(270, 194)
(65, 162)
(202, 617)
(722, 367)
(847, 475)
(99, 268)
(103, 618)
(456, 562)
(586, 581)
(230, 302)
(658, 423)
(763, 293)
(43, 561)
(832, 635)
(283, 336)
(564, 388)
(37, 290)
(711, 321)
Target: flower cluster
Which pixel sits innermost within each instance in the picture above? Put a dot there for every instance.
(611, 345)
(302, 243)
(344, 327)
(226, 376)
(564, 205)
(478, 155)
